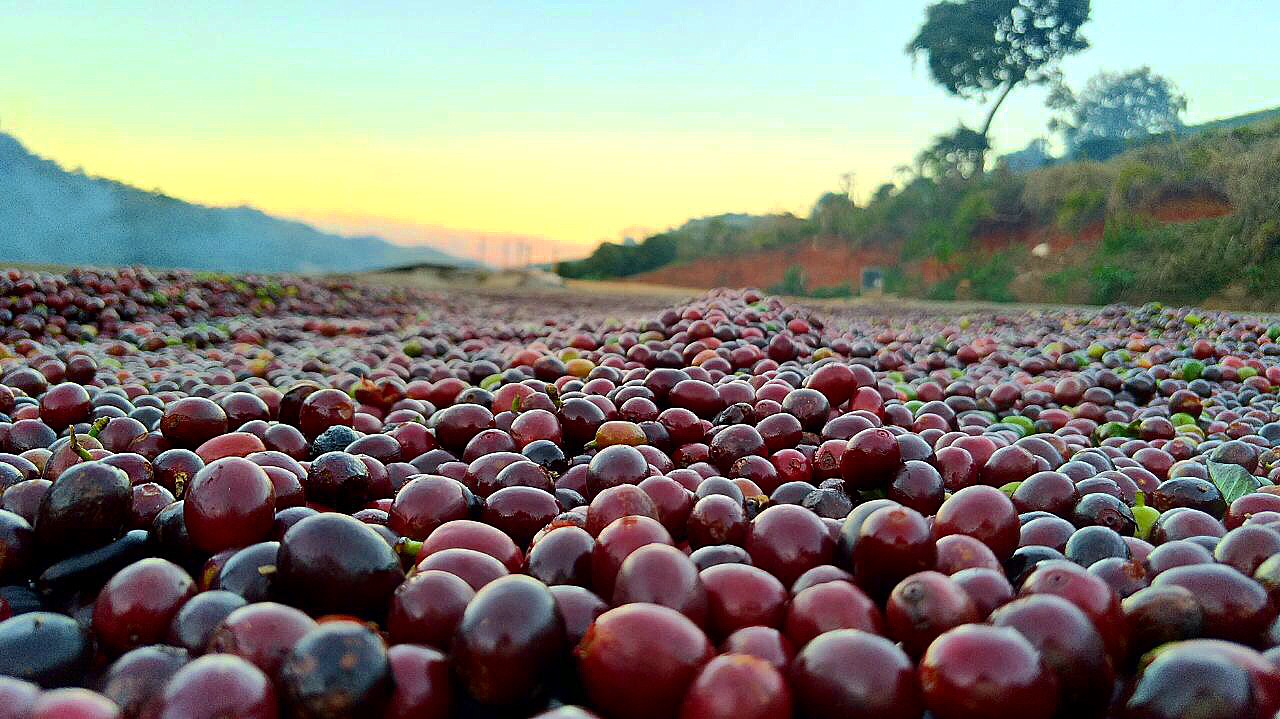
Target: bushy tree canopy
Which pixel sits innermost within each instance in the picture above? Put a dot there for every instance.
(834, 214)
(956, 155)
(976, 46)
(1114, 109)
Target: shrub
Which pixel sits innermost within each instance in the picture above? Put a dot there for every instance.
(925, 240)
(1136, 186)
(792, 282)
(1067, 285)
(1108, 284)
(944, 290)
(1047, 190)
(1080, 208)
(1129, 234)
(895, 281)
(990, 280)
(845, 289)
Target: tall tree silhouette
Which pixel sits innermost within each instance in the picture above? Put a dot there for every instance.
(980, 48)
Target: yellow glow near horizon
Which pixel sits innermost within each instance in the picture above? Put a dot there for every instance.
(562, 186)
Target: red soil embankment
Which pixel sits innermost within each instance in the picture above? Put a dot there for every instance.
(828, 262)
(825, 264)
(1190, 209)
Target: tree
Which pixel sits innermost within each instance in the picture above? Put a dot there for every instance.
(833, 215)
(976, 48)
(622, 260)
(957, 155)
(1114, 109)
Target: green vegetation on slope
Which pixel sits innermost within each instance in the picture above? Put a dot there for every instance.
(942, 219)
(1137, 258)
(705, 237)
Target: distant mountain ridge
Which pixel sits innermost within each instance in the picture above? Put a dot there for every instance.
(52, 215)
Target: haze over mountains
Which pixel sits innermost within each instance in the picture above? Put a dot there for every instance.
(49, 214)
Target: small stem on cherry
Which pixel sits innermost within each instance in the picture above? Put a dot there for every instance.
(98, 426)
(75, 447)
(408, 547)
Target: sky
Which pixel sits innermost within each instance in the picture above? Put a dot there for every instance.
(557, 124)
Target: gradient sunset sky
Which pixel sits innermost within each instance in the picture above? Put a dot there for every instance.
(567, 122)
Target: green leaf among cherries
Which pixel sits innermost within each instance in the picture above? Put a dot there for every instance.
(1233, 481)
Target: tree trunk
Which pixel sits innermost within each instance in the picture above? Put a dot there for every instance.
(986, 125)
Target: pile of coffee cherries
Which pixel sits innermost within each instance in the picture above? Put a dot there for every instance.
(291, 497)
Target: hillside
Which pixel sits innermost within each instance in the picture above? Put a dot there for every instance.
(1191, 220)
(52, 215)
(1231, 123)
(832, 267)
(715, 236)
